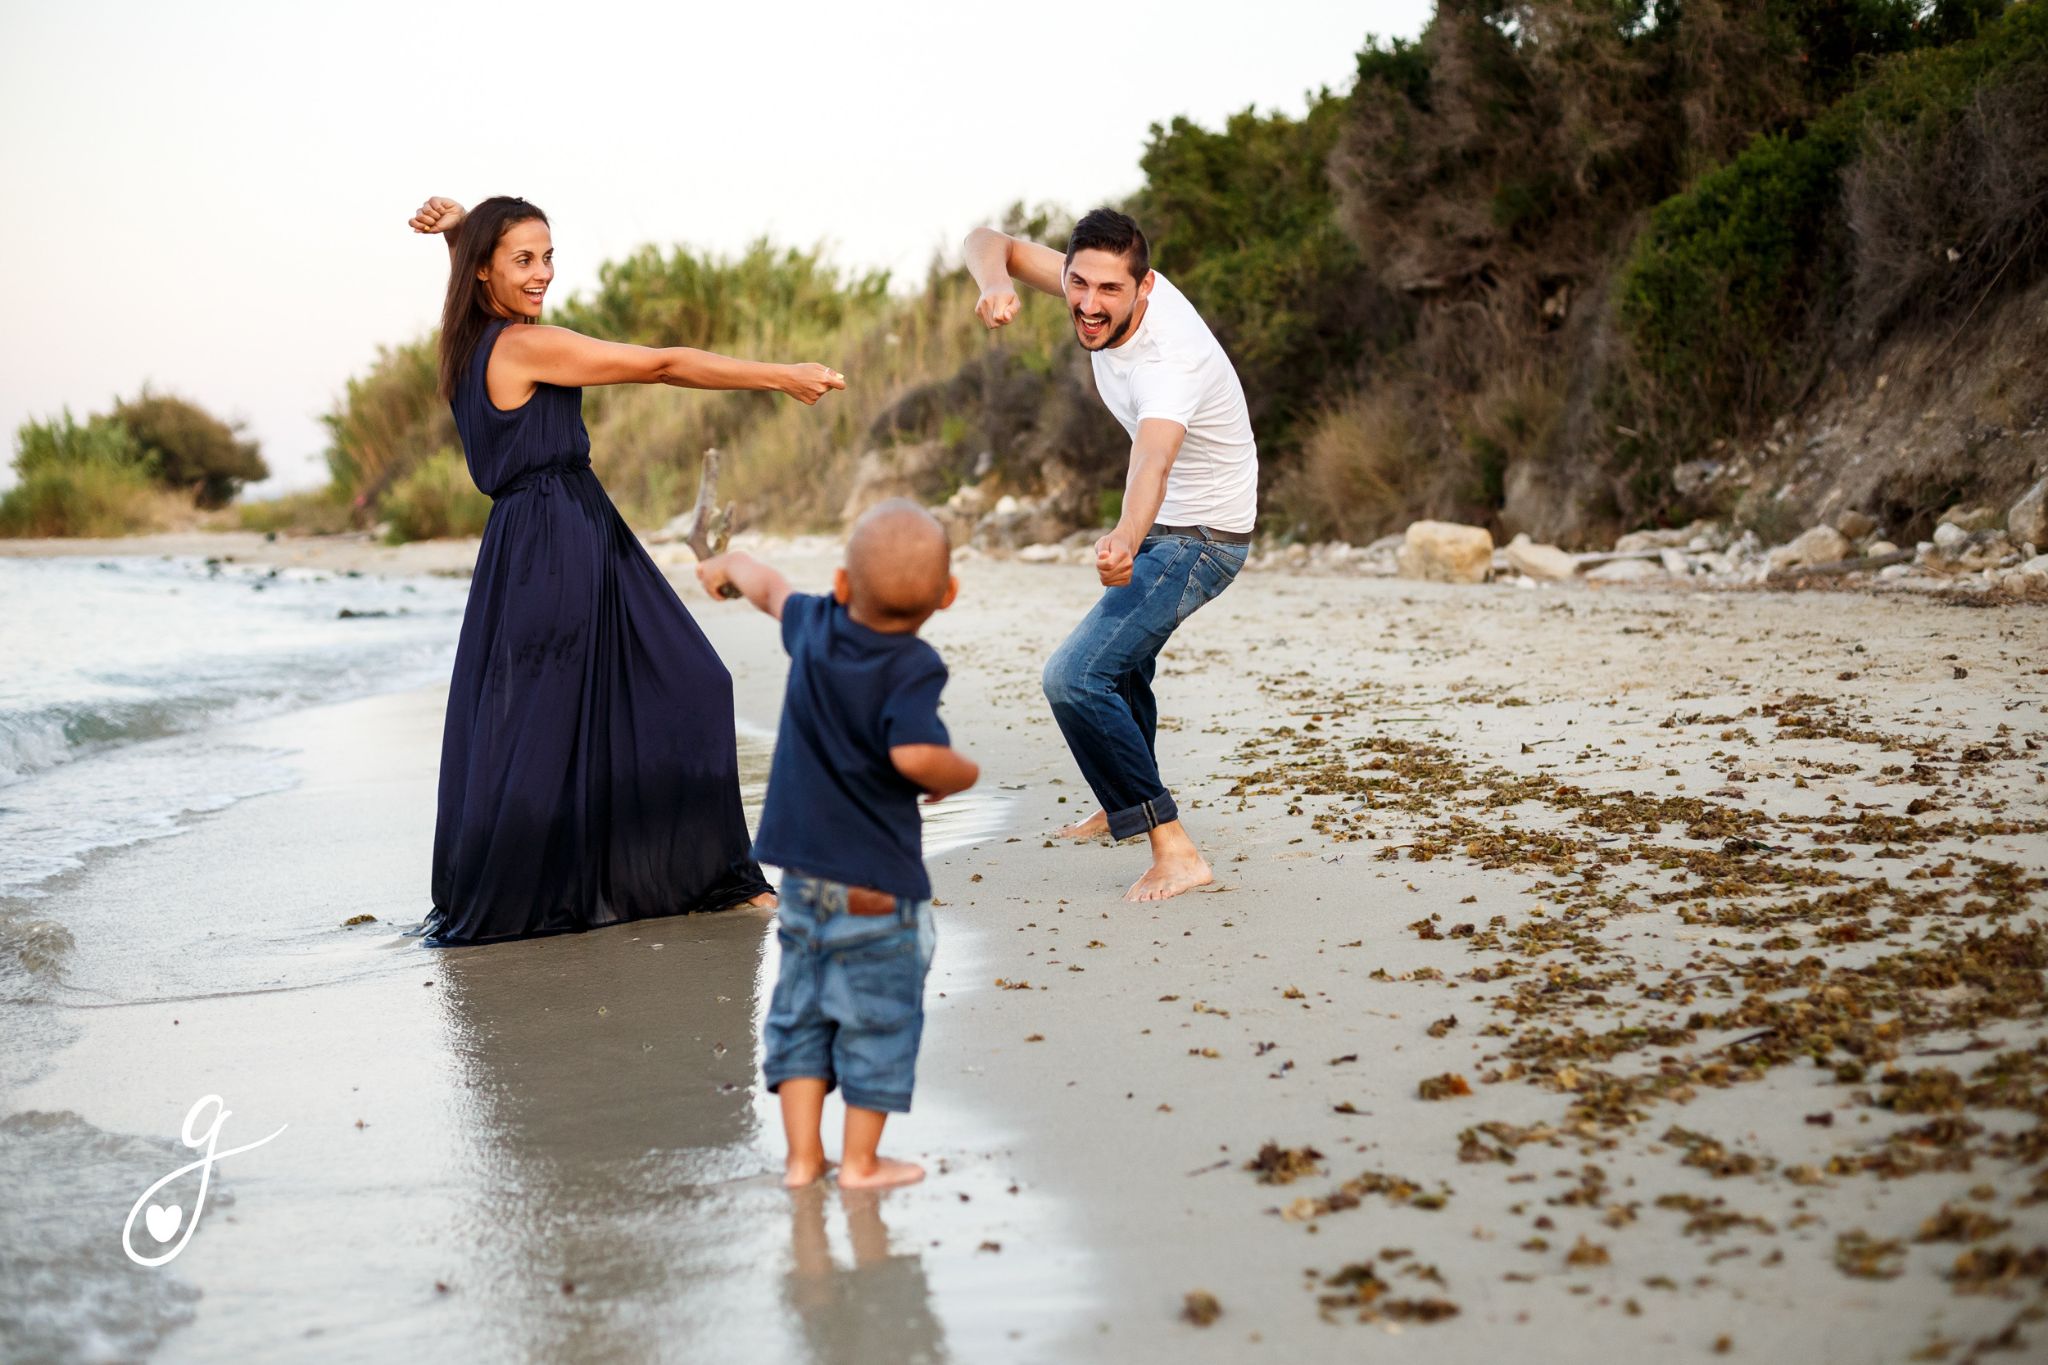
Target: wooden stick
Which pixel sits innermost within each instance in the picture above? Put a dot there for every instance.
(710, 528)
(1842, 566)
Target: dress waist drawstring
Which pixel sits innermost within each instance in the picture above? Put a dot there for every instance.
(540, 476)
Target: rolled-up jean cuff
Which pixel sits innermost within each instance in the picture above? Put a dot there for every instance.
(774, 1079)
(1146, 815)
(876, 1101)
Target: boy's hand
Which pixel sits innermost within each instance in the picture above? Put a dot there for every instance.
(939, 769)
(715, 574)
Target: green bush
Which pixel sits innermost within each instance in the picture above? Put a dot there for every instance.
(1731, 294)
(63, 441)
(436, 498)
(323, 511)
(686, 298)
(90, 497)
(386, 422)
(189, 448)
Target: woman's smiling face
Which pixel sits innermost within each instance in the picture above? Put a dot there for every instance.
(521, 268)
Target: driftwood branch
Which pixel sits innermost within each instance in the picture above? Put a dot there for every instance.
(711, 525)
(1842, 566)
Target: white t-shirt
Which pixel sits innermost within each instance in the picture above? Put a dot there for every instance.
(1174, 368)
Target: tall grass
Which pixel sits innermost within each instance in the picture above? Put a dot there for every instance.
(90, 498)
(435, 498)
(89, 478)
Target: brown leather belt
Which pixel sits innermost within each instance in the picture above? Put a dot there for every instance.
(861, 901)
(1201, 533)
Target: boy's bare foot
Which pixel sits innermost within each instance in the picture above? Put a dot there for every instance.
(798, 1172)
(1177, 866)
(882, 1174)
(1095, 826)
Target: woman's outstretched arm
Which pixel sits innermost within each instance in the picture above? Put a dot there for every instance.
(526, 356)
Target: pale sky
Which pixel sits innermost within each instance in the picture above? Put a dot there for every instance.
(212, 197)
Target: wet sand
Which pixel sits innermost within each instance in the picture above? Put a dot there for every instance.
(567, 1135)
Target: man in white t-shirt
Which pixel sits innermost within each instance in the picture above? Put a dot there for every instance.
(1189, 504)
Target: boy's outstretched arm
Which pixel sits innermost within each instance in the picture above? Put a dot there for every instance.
(758, 583)
(939, 769)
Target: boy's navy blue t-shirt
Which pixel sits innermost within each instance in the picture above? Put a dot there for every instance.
(837, 808)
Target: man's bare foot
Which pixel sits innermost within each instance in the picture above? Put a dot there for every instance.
(1095, 826)
(1169, 877)
(798, 1172)
(1177, 865)
(884, 1174)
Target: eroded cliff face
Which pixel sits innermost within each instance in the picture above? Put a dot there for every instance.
(1923, 426)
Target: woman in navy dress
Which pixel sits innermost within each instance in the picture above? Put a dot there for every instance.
(589, 772)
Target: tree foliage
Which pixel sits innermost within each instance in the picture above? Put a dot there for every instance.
(188, 447)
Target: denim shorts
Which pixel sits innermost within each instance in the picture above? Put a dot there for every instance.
(849, 1000)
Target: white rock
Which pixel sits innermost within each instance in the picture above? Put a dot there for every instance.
(1971, 517)
(1948, 535)
(970, 500)
(1540, 561)
(1626, 571)
(1819, 545)
(1652, 540)
(2037, 567)
(2028, 519)
(1675, 564)
(1446, 552)
(1041, 554)
(1880, 547)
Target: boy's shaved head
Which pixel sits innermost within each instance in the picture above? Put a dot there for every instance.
(899, 562)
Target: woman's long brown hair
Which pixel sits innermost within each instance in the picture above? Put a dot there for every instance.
(467, 310)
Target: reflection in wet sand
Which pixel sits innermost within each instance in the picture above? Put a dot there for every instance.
(879, 1308)
(607, 1081)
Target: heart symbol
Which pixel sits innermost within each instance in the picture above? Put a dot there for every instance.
(163, 1222)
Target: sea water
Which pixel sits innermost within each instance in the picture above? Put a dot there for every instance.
(111, 668)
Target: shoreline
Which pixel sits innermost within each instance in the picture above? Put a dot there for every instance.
(1119, 1065)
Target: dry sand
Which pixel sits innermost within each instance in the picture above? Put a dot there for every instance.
(1372, 767)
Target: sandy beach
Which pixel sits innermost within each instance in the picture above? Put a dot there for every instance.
(1588, 972)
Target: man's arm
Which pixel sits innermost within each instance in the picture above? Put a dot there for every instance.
(997, 260)
(758, 583)
(1152, 457)
(939, 769)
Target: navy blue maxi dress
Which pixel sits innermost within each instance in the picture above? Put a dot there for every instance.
(589, 772)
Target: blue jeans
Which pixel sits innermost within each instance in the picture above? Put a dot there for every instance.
(848, 1007)
(1100, 681)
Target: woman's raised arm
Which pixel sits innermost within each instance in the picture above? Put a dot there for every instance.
(526, 356)
(440, 215)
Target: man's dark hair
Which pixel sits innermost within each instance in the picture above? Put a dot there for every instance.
(1108, 230)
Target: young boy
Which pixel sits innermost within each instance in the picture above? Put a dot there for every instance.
(860, 740)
